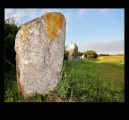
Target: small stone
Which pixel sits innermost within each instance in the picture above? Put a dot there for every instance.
(73, 52)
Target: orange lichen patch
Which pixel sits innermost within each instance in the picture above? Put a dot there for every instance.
(54, 23)
(24, 30)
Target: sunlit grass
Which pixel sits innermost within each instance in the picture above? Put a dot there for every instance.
(111, 59)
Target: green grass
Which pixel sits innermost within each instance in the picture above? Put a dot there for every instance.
(89, 80)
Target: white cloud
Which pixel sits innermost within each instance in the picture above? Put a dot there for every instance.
(68, 17)
(49, 10)
(107, 47)
(16, 13)
(80, 13)
(103, 10)
(45, 10)
(19, 13)
(22, 13)
(32, 13)
(7, 12)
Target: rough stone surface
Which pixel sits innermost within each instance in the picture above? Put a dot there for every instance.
(73, 52)
(39, 47)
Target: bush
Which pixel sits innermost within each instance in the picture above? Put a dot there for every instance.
(10, 29)
(66, 53)
(80, 53)
(90, 54)
(104, 55)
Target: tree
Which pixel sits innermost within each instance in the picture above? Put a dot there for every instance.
(10, 30)
(80, 53)
(85, 53)
(90, 53)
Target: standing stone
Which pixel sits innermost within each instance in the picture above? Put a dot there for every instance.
(83, 56)
(78, 57)
(73, 52)
(39, 47)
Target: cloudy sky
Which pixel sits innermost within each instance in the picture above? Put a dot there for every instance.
(96, 29)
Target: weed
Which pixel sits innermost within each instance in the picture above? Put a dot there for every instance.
(63, 86)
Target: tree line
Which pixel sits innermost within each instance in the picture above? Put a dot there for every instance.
(88, 53)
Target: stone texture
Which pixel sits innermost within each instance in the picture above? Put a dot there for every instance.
(39, 47)
(73, 52)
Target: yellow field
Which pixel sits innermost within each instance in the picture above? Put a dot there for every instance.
(118, 59)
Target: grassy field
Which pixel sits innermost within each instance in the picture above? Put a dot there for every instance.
(89, 80)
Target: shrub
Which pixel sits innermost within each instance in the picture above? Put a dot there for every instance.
(10, 30)
(66, 53)
(90, 53)
(80, 53)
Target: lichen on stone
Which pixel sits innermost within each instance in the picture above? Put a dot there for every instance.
(25, 28)
(54, 23)
(24, 31)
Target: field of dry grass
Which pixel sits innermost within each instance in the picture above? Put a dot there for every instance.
(116, 59)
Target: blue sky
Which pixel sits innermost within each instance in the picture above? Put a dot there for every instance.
(96, 29)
